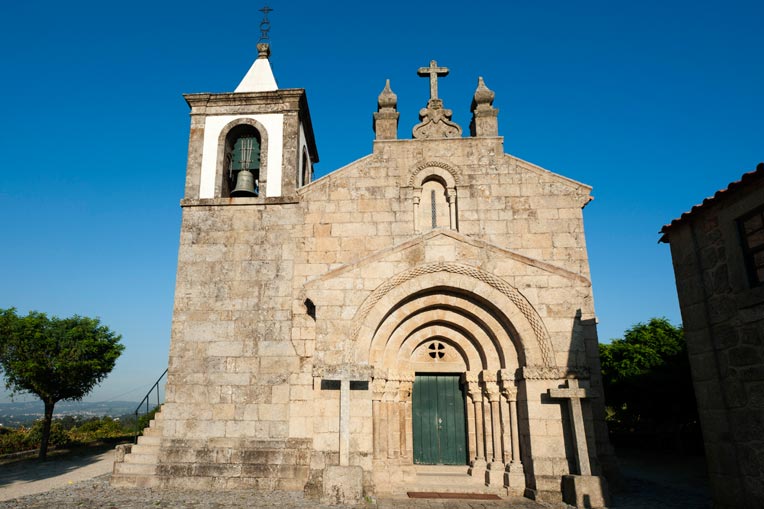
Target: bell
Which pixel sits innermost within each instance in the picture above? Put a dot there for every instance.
(245, 184)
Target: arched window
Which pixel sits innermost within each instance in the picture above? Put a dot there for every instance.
(305, 176)
(434, 207)
(242, 162)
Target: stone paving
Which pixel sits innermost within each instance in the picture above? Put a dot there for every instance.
(652, 481)
(96, 493)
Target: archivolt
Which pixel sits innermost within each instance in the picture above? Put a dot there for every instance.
(454, 173)
(542, 336)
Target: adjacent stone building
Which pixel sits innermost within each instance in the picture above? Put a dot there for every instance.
(422, 316)
(718, 253)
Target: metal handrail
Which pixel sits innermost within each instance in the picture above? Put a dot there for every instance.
(146, 399)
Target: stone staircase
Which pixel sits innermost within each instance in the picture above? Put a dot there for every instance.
(450, 479)
(136, 465)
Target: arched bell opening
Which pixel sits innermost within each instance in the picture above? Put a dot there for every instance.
(242, 159)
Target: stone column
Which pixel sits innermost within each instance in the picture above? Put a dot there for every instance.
(514, 477)
(451, 198)
(404, 410)
(393, 419)
(416, 200)
(470, 414)
(477, 466)
(495, 472)
(377, 393)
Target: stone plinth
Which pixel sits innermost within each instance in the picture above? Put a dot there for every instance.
(585, 491)
(343, 485)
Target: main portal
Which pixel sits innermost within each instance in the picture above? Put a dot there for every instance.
(438, 420)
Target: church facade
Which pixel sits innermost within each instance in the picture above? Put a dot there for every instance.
(423, 314)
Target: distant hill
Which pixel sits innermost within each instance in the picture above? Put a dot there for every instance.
(24, 413)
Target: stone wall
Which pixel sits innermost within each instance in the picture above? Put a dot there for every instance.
(723, 320)
(270, 291)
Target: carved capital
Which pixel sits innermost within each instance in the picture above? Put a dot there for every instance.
(391, 390)
(491, 390)
(378, 389)
(404, 391)
(474, 391)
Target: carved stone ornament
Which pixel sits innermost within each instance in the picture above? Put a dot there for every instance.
(553, 373)
(435, 119)
(387, 99)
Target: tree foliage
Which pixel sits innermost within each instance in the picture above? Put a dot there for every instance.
(648, 385)
(55, 358)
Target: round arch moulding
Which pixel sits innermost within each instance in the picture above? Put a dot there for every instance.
(450, 175)
(515, 308)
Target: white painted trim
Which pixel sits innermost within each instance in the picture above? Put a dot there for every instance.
(213, 125)
(259, 78)
(302, 147)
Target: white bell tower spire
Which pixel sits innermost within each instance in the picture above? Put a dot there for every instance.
(260, 78)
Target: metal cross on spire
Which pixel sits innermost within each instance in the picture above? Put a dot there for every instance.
(433, 72)
(265, 24)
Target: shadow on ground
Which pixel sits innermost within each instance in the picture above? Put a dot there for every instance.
(58, 463)
(654, 480)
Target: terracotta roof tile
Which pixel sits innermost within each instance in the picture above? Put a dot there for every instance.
(745, 180)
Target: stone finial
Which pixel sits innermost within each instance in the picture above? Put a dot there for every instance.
(387, 98)
(435, 119)
(484, 115)
(386, 117)
(483, 98)
(263, 50)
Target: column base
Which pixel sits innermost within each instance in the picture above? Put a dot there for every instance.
(514, 477)
(586, 491)
(494, 474)
(477, 470)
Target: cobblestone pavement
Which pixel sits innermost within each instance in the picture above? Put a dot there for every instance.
(652, 481)
(96, 493)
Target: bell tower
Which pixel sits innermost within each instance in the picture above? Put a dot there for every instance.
(251, 144)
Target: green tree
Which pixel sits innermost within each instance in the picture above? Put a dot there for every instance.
(648, 385)
(55, 358)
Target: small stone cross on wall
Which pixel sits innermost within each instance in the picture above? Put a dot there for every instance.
(574, 394)
(433, 72)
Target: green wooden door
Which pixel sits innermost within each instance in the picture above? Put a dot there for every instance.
(438, 420)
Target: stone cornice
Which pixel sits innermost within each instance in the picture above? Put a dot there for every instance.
(243, 202)
(288, 99)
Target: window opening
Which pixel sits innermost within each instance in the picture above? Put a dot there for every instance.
(310, 308)
(436, 350)
(434, 209)
(752, 235)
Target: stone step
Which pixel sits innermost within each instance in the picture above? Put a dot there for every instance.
(149, 440)
(152, 432)
(145, 459)
(133, 481)
(450, 479)
(144, 449)
(134, 468)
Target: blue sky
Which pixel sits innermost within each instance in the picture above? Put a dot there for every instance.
(656, 104)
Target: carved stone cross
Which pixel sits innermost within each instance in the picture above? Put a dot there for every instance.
(344, 379)
(574, 394)
(433, 72)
